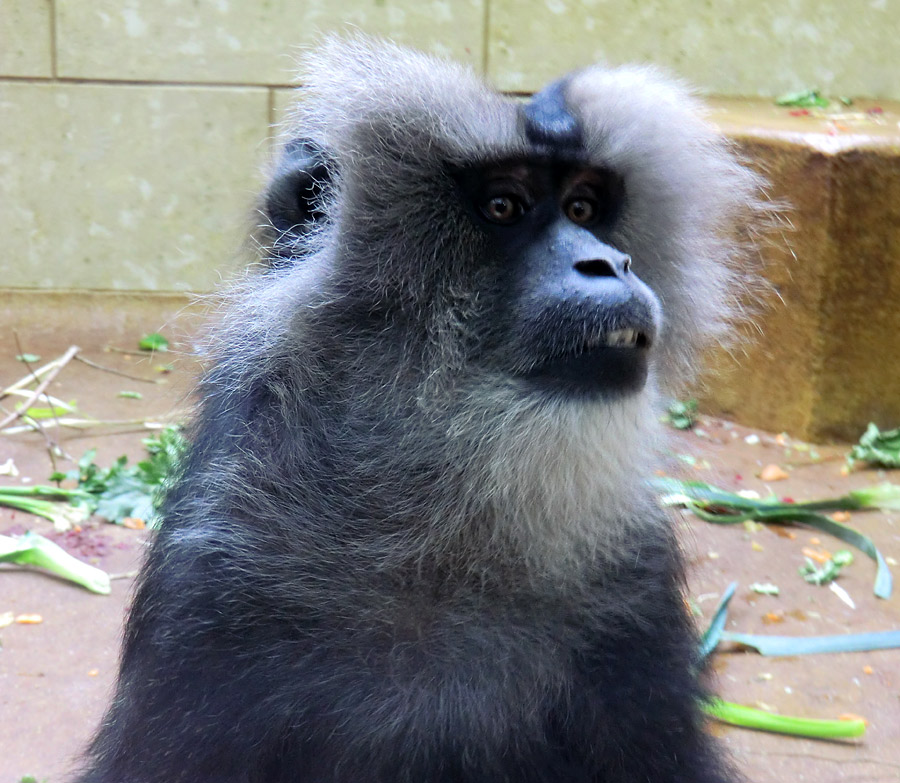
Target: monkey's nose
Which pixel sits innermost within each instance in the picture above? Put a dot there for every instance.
(603, 267)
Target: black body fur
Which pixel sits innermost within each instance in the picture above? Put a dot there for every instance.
(394, 555)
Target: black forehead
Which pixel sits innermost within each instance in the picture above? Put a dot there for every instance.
(549, 124)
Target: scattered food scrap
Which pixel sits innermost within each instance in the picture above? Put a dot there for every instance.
(764, 588)
(774, 473)
(841, 593)
(829, 569)
(682, 415)
(818, 555)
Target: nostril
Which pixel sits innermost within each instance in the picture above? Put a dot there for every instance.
(595, 267)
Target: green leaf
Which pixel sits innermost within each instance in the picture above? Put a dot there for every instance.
(885, 496)
(828, 571)
(727, 508)
(711, 637)
(34, 550)
(28, 358)
(44, 413)
(126, 496)
(765, 588)
(114, 493)
(43, 502)
(131, 395)
(748, 717)
(154, 342)
(877, 447)
(805, 99)
(806, 645)
(122, 491)
(682, 415)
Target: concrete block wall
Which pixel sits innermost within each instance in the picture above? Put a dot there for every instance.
(133, 134)
(822, 360)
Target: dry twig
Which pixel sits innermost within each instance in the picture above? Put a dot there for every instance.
(60, 363)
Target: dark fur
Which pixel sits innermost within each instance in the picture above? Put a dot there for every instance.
(393, 557)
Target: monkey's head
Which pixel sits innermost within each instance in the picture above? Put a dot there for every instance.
(576, 242)
(484, 295)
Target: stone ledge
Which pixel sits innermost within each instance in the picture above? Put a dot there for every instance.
(45, 320)
(826, 363)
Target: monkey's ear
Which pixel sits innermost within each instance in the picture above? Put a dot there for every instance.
(294, 199)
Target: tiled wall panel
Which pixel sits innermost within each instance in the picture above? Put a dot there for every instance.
(244, 41)
(732, 47)
(115, 187)
(26, 38)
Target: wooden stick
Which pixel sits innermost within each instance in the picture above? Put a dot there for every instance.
(30, 378)
(112, 371)
(63, 361)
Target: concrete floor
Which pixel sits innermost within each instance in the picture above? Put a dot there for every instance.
(56, 676)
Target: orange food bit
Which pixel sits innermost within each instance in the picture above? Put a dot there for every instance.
(868, 670)
(852, 716)
(29, 619)
(841, 516)
(133, 523)
(781, 531)
(819, 555)
(773, 472)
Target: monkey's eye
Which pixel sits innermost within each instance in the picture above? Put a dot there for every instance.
(581, 211)
(503, 209)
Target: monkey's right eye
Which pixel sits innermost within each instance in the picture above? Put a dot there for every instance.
(503, 209)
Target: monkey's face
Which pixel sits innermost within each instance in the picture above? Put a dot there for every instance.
(579, 321)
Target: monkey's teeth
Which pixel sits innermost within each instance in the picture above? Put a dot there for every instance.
(621, 338)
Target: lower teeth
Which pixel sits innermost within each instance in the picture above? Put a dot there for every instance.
(621, 337)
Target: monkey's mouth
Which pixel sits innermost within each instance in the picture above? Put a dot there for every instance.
(608, 363)
(618, 338)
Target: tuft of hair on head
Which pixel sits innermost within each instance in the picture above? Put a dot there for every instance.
(696, 211)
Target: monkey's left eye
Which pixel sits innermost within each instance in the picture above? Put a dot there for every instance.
(503, 209)
(581, 211)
